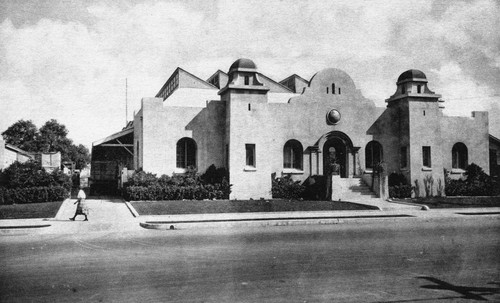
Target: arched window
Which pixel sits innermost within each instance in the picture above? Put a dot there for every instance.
(186, 153)
(373, 154)
(292, 155)
(459, 156)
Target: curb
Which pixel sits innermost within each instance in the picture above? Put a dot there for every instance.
(166, 225)
(132, 209)
(24, 226)
(422, 206)
(375, 207)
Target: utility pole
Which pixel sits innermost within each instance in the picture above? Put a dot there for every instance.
(126, 101)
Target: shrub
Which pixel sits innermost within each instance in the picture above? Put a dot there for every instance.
(31, 174)
(141, 178)
(29, 183)
(286, 188)
(397, 179)
(477, 183)
(191, 186)
(32, 195)
(315, 188)
(400, 191)
(215, 175)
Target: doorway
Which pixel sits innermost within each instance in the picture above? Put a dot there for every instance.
(335, 151)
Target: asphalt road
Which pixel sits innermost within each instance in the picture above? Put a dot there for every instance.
(403, 260)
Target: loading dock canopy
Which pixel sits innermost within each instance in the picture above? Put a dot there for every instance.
(109, 157)
(125, 138)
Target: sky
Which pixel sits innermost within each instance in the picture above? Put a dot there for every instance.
(69, 60)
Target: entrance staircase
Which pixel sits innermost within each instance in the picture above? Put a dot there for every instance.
(351, 190)
(357, 191)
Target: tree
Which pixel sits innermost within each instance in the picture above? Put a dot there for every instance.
(52, 137)
(79, 154)
(23, 134)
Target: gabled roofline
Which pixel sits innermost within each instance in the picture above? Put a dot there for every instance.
(176, 71)
(198, 78)
(213, 75)
(17, 149)
(113, 136)
(296, 76)
(279, 84)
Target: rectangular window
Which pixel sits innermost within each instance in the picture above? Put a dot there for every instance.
(247, 80)
(250, 154)
(403, 156)
(419, 89)
(426, 156)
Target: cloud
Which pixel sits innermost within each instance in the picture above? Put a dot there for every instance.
(75, 70)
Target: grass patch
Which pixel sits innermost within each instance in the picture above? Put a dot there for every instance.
(459, 202)
(29, 211)
(243, 206)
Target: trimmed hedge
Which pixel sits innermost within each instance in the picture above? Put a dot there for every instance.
(144, 186)
(32, 195)
(175, 192)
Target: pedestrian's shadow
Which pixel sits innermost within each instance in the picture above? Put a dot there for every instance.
(467, 292)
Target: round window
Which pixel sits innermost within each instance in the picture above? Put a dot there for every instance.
(333, 116)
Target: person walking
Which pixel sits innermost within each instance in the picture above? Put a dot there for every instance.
(81, 208)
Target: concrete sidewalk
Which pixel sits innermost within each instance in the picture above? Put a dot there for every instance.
(116, 215)
(104, 215)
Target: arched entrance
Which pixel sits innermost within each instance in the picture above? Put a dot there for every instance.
(336, 150)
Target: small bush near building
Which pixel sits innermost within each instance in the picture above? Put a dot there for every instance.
(30, 183)
(399, 187)
(144, 186)
(400, 191)
(287, 188)
(315, 188)
(476, 183)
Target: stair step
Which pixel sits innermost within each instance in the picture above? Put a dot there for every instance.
(357, 190)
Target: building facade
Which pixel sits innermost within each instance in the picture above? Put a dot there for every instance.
(10, 154)
(258, 129)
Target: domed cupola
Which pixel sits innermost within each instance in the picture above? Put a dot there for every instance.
(243, 76)
(412, 83)
(412, 75)
(243, 64)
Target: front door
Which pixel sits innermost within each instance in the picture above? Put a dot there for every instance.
(335, 151)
